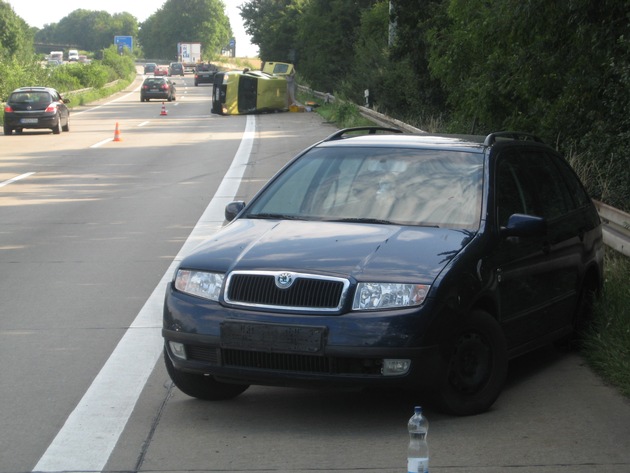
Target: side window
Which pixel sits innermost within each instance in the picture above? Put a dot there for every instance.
(510, 195)
(545, 184)
(578, 194)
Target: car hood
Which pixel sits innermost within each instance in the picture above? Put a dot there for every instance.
(362, 251)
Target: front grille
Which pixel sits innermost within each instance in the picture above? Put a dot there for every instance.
(307, 292)
(275, 361)
(284, 362)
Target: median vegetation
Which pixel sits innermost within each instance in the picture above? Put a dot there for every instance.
(94, 80)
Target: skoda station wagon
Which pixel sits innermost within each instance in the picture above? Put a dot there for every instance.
(389, 260)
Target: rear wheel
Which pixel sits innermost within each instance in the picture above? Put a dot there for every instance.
(476, 368)
(57, 129)
(200, 386)
(7, 130)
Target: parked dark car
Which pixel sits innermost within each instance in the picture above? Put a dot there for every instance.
(176, 69)
(149, 68)
(157, 88)
(36, 107)
(204, 73)
(389, 260)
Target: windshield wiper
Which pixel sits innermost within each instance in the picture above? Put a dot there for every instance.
(275, 216)
(382, 222)
(363, 220)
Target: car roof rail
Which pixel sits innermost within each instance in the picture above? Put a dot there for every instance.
(513, 135)
(371, 130)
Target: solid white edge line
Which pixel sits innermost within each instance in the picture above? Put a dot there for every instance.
(89, 435)
(16, 178)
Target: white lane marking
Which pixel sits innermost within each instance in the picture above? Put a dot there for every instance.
(101, 143)
(89, 435)
(144, 123)
(16, 178)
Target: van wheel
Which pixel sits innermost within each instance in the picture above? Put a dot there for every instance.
(476, 368)
(200, 386)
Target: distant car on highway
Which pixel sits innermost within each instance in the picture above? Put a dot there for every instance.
(38, 108)
(160, 71)
(176, 69)
(204, 73)
(157, 88)
(150, 67)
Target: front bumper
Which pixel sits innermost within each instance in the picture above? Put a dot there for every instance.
(351, 350)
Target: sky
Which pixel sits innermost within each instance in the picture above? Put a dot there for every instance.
(40, 12)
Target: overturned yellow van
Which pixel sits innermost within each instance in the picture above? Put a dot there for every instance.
(243, 92)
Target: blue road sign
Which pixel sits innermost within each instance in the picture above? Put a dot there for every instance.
(124, 42)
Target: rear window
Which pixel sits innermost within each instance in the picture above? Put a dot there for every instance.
(30, 97)
(154, 81)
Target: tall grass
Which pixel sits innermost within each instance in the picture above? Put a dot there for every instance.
(607, 345)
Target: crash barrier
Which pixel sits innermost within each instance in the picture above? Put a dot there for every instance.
(616, 227)
(616, 223)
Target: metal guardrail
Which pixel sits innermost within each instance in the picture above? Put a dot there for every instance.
(616, 223)
(616, 227)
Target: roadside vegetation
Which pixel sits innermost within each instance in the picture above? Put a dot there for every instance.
(607, 343)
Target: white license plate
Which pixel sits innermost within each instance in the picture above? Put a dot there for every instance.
(28, 120)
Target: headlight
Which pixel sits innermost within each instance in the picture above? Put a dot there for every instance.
(199, 283)
(374, 295)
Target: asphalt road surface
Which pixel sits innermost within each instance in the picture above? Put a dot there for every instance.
(90, 232)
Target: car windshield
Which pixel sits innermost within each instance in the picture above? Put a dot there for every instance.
(378, 185)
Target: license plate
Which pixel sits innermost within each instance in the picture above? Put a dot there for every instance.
(28, 120)
(272, 337)
(205, 75)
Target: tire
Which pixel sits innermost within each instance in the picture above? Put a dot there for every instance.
(170, 98)
(476, 368)
(66, 127)
(57, 129)
(200, 386)
(7, 130)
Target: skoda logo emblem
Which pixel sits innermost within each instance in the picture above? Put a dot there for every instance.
(284, 280)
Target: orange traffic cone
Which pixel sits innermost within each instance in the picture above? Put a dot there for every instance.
(163, 112)
(117, 134)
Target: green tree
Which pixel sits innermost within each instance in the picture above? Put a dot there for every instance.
(273, 26)
(198, 21)
(89, 30)
(326, 37)
(16, 39)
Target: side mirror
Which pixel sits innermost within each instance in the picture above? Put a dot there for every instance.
(520, 225)
(233, 209)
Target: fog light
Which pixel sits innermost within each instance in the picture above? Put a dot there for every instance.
(395, 367)
(177, 349)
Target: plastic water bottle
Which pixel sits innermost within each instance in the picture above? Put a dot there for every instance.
(418, 452)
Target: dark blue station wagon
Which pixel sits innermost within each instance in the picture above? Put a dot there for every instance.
(389, 260)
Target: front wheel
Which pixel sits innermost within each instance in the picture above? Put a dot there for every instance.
(476, 368)
(66, 127)
(200, 386)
